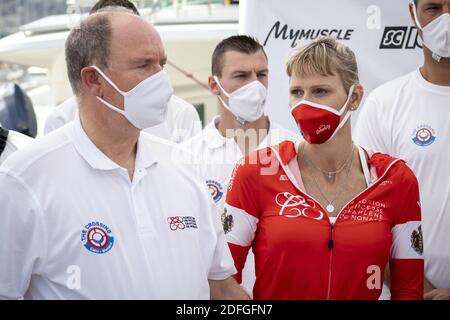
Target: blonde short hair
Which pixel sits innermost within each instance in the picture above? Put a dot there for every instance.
(327, 57)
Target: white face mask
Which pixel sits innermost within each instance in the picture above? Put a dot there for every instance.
(436, 35)
(246, 103)
(145, 105)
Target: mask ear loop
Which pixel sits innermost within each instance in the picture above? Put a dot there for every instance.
(347, 116)
(106, 103)
(416, 19)
(238, 119)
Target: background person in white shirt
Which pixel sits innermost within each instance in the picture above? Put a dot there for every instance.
(409, 118)
(239, 79)
(11, 141)
(182, 120)
(88, 211)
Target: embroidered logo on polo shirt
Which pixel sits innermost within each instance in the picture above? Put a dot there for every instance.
(97, 237)
(216, 190)
(181, 223)
(424, 135)
(417, 240)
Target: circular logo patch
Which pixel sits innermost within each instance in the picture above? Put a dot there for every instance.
(216, 190)
(424, 136)
(97, 237)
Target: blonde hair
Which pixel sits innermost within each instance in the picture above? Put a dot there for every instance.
(327, 57)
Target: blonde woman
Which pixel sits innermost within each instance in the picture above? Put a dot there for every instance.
(332, 216)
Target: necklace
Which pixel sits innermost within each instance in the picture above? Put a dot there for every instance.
(330, 174)
(330, 207)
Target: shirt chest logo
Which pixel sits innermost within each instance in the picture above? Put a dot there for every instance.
(424, 136)
(295, 206)
(181, 223)
(216, 190)
(97, 237)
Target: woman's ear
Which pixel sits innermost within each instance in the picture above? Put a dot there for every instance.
(357, 96)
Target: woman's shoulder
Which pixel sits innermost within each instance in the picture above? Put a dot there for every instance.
(387, 165)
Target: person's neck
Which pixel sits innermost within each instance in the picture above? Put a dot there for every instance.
(248, 135)
(437, 73)
(118, 143)
(331, 155)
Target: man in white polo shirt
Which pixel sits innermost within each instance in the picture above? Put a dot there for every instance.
(239, 79)
(97, 209)
(182, 121)
(409, 118)
(11, 141)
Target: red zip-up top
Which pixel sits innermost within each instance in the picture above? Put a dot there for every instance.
(299, 254)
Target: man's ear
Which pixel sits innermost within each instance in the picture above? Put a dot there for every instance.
(90, 80)
(213, 85)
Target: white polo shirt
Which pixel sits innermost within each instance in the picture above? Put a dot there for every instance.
(182, 121)
(409, 118)
(73, 225)
(217, 156)
(14, 142)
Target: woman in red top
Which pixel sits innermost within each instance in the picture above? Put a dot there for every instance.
(324, 216)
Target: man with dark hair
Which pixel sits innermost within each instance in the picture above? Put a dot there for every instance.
(114, 3)
(409, 118)
(88, 211)
(239, 79)
(182, 123)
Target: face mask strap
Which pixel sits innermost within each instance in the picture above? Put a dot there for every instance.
(109, 105)
(416, 19)
(109, 80)
(220, 86)
(350, 93)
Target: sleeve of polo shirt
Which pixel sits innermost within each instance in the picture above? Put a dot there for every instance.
(371, 128)
(22, 237)
(241, 213)
(406, 260)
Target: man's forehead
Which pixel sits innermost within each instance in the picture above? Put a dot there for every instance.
(239, 61)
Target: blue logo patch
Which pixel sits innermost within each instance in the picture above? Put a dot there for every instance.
(424, 136)
(216, 190)
(97, 237)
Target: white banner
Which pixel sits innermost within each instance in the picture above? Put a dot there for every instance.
(380, 32)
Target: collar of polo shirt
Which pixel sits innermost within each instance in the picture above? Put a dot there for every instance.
(212, 136)
(97, 159)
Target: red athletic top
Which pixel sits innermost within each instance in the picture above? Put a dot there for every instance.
(299, 254)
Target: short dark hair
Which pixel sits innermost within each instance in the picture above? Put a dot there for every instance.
(114, 3)
(240, 43)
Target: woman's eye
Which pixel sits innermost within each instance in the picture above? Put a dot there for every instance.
(320, 91)
(296, 93)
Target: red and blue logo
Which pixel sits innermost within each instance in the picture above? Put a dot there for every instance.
(97, 237)
(424, 136)
(216, 190)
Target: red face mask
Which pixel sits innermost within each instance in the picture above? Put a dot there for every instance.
(319, 123)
